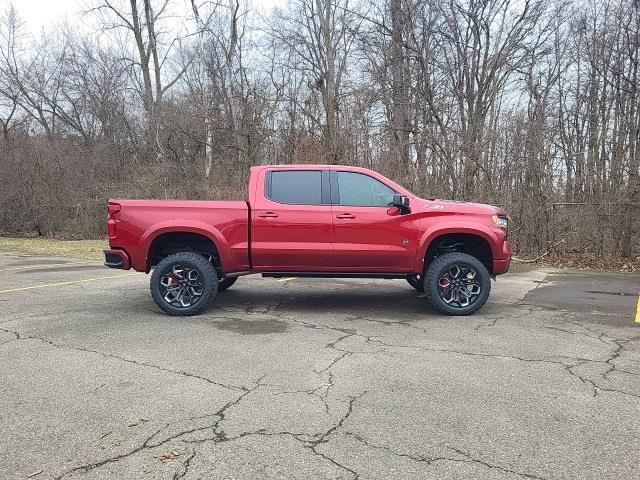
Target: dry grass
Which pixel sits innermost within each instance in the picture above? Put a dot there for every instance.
(89, 249)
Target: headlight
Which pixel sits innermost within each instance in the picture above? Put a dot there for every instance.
(501, 221)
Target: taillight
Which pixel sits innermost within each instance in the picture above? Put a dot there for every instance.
(112, 209)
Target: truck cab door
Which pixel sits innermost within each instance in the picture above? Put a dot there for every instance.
(291, 221)
(369, 234)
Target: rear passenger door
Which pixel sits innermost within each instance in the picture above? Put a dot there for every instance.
(291, 221)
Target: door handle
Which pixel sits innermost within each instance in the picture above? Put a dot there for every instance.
(346, 215)
(268, 215)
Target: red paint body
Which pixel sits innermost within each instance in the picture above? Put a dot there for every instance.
(262, 235)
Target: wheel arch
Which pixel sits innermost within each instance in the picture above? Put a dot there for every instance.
(192, 229)
(478, 241)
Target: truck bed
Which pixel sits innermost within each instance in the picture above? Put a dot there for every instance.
(140, 221)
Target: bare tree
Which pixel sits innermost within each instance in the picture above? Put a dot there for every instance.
(9, 92)
(531, 104)
(320, 35)
(152, 53)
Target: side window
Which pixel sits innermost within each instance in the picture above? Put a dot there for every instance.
(357, 189)
(295, 186)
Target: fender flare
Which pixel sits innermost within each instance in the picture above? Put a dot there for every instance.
(452, 227)
(185, 226)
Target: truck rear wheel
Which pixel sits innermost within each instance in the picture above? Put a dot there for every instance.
(457, 284)
(226, 283)
(184, 283)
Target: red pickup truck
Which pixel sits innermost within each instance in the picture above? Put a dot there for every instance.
(311, 221)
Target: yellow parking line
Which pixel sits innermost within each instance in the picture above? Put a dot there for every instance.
(288, 279)
(638, 311)
(59, 284)
(36, 267)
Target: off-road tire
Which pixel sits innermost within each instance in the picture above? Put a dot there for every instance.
(206, 274)
(226, 283)
(441, 266)
(416, 282)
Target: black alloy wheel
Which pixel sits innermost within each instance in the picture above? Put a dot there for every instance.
(184, 283)
(181, 286)
(457, 284)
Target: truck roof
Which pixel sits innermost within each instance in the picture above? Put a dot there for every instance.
(309, 166)
(305, 166)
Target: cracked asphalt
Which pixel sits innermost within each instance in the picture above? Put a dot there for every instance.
(312, 378)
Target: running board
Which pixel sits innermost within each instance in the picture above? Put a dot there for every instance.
(334, 275)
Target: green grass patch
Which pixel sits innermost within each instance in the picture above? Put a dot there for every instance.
(89, 249)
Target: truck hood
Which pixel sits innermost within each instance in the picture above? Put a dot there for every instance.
(458, 206)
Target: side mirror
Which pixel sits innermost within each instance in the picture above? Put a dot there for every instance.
(402, 202)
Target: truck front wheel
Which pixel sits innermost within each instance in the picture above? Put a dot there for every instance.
(416, 282)
(457, 284)
(184, 283)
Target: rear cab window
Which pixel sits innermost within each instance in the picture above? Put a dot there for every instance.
(297, 187)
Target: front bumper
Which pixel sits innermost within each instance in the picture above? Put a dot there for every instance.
(116, 258)
(501, 265)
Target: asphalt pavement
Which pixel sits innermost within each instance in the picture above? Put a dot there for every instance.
(316, 378)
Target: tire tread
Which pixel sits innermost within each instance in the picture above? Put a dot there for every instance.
(430, 280)
(207, 270)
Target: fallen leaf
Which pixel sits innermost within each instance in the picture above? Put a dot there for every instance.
(586, 261)
(168, 456)
(140, 420)
(146, 468)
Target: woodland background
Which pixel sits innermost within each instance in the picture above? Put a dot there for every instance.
(528, 104)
